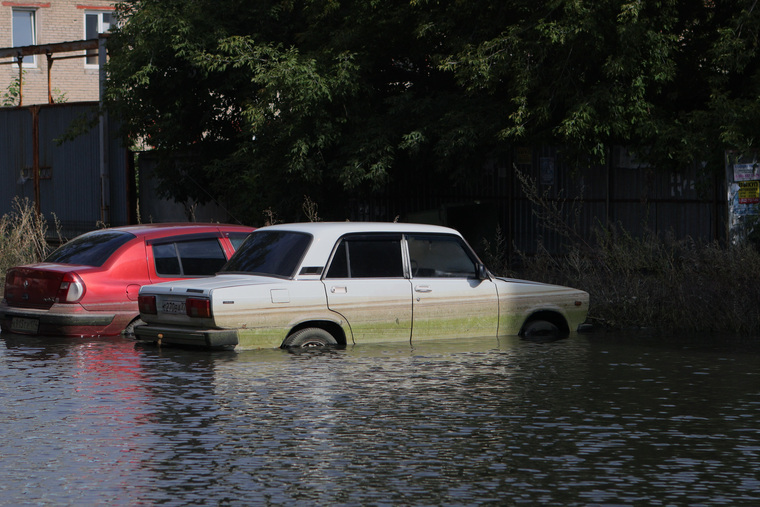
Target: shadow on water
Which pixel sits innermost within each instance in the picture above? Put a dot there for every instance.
(580, 421)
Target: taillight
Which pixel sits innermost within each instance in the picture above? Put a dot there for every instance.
(71, 289)
(200, 308)
(10, 279)
(147, 305)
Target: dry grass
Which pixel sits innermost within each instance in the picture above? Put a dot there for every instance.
(660, 283)
(654, 282)
(23, 235)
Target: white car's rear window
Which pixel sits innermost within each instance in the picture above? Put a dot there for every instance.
(275, 253)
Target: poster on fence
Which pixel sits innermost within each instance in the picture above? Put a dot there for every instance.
(749, 192)
(746, 172)
(740, 200)
(743, 185)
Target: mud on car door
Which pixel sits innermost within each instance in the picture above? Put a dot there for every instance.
(365, 283)
(451, 298)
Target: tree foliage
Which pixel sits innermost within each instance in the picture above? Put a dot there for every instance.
(264, 102)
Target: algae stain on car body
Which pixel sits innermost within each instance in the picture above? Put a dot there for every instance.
(361, 283)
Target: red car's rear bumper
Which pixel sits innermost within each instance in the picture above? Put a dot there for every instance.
(63, 320)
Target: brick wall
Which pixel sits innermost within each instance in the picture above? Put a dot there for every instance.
(57, 21)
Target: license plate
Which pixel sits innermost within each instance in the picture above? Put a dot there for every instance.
(22, 325)
(174, 307)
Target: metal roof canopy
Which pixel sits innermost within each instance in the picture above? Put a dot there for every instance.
(49, 49)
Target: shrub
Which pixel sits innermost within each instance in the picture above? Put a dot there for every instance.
(655, 282)
(23, 237)
(660, 283)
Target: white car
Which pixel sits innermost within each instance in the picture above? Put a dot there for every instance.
(322, 284)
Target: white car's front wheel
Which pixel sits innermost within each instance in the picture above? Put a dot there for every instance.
(541, 329)
(309, 337)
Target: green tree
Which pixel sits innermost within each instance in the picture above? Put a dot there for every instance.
(264, 102)
(269, 101)
(675, 80)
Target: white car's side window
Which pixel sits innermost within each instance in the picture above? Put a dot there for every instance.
(433, 256)
(367, 256)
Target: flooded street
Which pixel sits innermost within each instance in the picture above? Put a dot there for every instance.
(581, 421)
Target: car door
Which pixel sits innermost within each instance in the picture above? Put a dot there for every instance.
(449, 299)
(365, 283)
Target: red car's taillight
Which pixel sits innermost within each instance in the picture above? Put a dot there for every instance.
(10, 279)
(147, 305)
(71, 290)
(200, 308)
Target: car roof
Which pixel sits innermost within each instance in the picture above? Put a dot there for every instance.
(158, 230)
(340, 228)
(326, 234)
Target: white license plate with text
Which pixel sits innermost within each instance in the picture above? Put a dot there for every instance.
(22, 325)
(173, 307)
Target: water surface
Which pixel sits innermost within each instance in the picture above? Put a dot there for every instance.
(581, 421)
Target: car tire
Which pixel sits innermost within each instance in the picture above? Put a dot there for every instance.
(130, 329)
(310, 337)
(542, 330)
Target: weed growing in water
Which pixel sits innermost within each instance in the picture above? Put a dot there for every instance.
(23, 237)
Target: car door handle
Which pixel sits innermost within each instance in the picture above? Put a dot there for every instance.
(423, 288)
(338, 290)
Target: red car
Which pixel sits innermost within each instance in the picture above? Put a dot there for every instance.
(89, 286)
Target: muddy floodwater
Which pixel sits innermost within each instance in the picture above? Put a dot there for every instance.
(587, 420)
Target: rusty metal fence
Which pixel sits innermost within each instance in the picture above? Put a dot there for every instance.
(63, 174)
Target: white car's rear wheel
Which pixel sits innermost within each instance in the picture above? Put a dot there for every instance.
(310, 337)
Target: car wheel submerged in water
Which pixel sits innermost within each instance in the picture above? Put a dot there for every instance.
(130, 329)
(542, 330)
(311, 337)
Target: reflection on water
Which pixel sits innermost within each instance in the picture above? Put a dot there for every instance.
(578, 421)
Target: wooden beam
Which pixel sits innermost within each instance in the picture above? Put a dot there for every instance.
(42, 49)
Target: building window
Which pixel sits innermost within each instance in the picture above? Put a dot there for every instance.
(95, 23)
(25, 32)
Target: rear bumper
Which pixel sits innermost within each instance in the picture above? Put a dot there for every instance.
(206, 338)
(73, 321)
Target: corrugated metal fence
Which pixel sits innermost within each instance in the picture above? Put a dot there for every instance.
(68, 183)
(624, 193)
(64, 176)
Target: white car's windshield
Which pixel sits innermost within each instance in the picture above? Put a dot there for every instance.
(275, 253)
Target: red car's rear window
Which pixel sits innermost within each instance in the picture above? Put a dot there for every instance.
(91, 249)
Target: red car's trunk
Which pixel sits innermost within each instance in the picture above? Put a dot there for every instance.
(32, 287)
